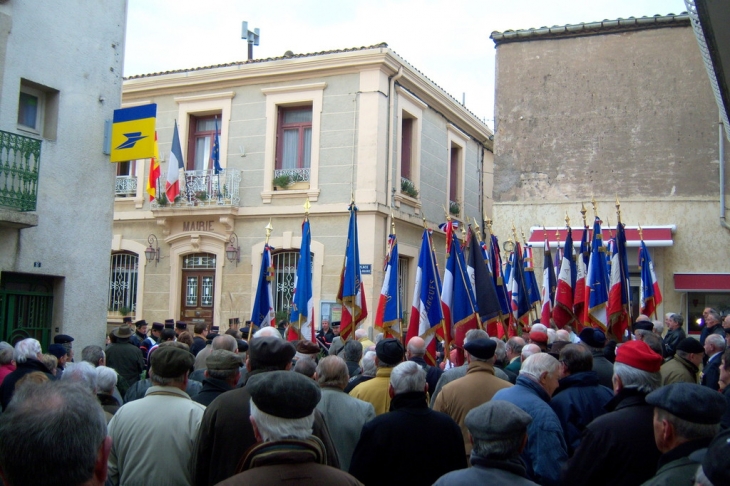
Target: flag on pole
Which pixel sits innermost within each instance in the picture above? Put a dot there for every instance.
(581, 268)
(390, 308)
(518, 289)
(533, 291)
(154, 175)
(351, 294)
(619, 296)
(549, 284)
(480, 276)
(651, 295)
(447, 286)
(172, 188)
(596, 293)
(216, 151)
(500, 280)
(426, 311)
(563, 310)
(263, 307)
(302, 316)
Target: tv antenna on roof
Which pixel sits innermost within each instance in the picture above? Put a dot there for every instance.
(252, 38)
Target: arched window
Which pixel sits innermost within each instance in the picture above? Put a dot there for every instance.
(123, 283)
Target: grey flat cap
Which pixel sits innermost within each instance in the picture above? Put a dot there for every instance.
(223, 360)
(694, 403)
(497, 420)
(284, 394)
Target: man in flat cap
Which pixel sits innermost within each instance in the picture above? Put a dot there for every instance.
(715, 468)
(498, 430)
(307, 350)
(125, 357)
(595, 340)
(684, 367)
(398, 448)
(139, 437)
(580, 398)
(618, 447)
(226, 432)
(478, 386)
(286, 452)
(546, 450)
(686, 418)
(221, 375)
(388, 354)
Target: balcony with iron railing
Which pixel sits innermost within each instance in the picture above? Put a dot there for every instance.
(20, 159)
(125, 186)
(203, 188)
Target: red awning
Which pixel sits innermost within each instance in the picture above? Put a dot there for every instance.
(702, 282)
(653, 235)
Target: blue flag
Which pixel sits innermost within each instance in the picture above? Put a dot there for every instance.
(216, 151)
(302, 315)
(263, 306)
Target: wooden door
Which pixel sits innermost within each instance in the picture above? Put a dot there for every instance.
(196, 304)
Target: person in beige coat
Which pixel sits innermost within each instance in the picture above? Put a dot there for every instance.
(477, 387)
(684, 367)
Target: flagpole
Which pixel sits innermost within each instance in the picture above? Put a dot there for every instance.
(488, 228)
(624, 278)
(434, 265)
(397, 279)
(533, 306)
(521, 272)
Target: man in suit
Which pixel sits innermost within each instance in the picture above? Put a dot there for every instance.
(714, 347)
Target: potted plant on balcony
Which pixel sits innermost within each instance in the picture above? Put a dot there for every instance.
(201, 195)
(282, 181)
(408, 188)
(162, 199)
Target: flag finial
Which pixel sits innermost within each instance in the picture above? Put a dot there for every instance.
(307, 205)
(269, 229)
(595, 208)
(567, 219)
(618, 210)
(392, 223)
(583, 212)
(641, 233)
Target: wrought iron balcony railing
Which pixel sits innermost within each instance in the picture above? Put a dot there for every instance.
(126, 186)
(20, 159)
(295, 175)
(204, 188)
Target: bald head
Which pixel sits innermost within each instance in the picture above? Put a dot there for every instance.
(562, 335)
(416, 347)
(225, 341)
(529, 350)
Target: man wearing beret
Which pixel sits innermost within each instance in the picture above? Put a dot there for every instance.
(139, 437)
(618, 447)
(546, 450)
(226, 432)
(684, 366)
(595, 340)
(686, 418)
(715, 469)
(498, 430)
(478, 386)
(411, 444)
(221, 375)
(286, 452)
(388, 354)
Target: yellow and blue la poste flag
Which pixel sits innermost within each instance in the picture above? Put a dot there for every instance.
(133, 133)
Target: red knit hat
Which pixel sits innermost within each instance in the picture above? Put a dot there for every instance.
(639, 355)
(538, 336)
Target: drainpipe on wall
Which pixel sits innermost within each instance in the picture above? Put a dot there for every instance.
(721, 145)
(391, 126)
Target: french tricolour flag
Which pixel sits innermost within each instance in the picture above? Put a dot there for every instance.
(389, 314)
(651, 295)
(172, 186)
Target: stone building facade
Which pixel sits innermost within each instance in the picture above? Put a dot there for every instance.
(59, 83)
(357, 124)
(613, 109)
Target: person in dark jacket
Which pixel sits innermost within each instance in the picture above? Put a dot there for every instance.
(125, 357)
(725, 387)
(397, 447)
(498, 431)
(546, 450)
(352, 355)
(28, 360)
(579, 398)
(686, 418)
(618, 447)
(674, 335)
(226, 432)
(223, 369)
(415, 351)
(140, 333)
(714, 347)
(595, 340)
(199, 338)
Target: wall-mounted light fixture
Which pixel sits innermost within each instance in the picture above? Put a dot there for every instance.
(233, 251)
(152, 253)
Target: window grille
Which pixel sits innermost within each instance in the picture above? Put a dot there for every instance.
(123, 282)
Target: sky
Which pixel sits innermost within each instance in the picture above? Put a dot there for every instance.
(447, 40)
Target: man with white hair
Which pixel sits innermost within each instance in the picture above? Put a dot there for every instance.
(397, 447)
(415, 351)
(513, 349)
(28, 354)
(714, 347)
(618, 447)
(675, 333)
(285, 451)
(546, 449)
(106, 382)
(362, 336)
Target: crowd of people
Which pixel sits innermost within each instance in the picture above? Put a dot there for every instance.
(549, 407)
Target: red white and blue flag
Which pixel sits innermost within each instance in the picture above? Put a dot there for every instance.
(302, 316)
(549, 284)
(533, 291)
(462, 305)
(390, 309)
(351, 294)
(619, 301)
(518, 289)
(581, 268)
(650, 294)
(263, 306)
(596, 291)
(427, 316)
(563, 310)
(172, 186)
(480, 275)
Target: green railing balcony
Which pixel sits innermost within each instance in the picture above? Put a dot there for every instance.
(20, 159)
